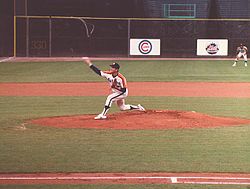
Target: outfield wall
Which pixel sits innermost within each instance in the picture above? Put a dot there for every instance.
(49, 36)
(68, 37)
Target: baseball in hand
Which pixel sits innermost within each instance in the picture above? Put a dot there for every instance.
(86, 60)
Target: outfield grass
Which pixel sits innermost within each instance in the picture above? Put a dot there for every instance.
(171, 70)
(43, 149)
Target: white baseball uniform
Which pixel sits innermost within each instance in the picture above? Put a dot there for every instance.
(119, 89)
(242, 52)
(116, 83)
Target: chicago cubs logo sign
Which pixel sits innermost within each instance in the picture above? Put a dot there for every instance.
(145, 47)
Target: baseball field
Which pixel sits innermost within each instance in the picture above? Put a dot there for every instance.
(194, 134)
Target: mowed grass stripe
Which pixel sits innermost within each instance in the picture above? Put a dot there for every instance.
(164, 70)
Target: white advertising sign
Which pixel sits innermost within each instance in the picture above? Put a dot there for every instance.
(212, 47)
(145, 47)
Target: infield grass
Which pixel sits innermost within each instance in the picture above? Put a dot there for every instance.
(44, 149)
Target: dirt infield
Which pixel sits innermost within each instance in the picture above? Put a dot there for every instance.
(126, 178)
(149, 120)
(179, 89)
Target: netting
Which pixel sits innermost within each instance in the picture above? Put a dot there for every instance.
(70, 36)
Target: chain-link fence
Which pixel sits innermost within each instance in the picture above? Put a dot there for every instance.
(46, 36)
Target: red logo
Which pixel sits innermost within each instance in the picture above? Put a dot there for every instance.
(212, 48)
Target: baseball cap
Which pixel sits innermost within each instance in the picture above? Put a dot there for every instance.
(115, 65)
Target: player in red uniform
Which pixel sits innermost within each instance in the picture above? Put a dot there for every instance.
(118, 86)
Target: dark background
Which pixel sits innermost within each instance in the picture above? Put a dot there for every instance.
(110, 37)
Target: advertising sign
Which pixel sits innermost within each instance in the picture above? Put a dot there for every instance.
(212, 47)
(145, 47)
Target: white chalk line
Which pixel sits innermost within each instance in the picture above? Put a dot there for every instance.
(118, 177)
(6, 59)
(172, 179)
(216, 183)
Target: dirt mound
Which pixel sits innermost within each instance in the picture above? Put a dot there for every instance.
(134, 120)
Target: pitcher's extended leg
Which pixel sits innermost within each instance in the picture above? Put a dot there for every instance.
(121, 104)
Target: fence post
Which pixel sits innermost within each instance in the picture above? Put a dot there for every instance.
(27, 36)
(14, 30)
(27, 28)
(50, 35)
(129, 35)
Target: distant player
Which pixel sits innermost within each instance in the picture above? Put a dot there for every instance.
(118, 86)
(241, 52)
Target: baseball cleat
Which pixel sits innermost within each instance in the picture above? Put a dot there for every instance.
(234, 65)
(100, 116)
(141, 108)
(245, 64)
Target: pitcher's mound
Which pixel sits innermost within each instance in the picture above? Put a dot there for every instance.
(134, 120)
